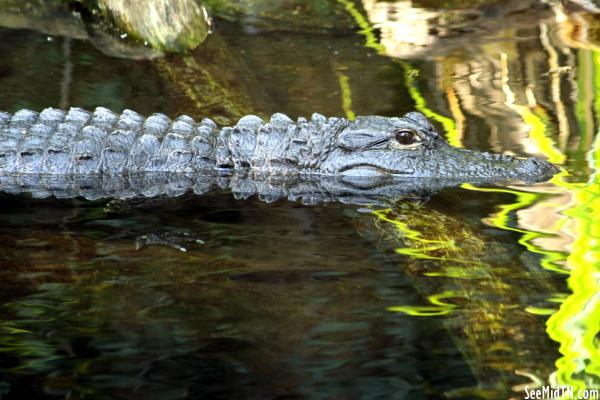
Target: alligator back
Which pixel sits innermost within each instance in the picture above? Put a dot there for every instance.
(81, 142)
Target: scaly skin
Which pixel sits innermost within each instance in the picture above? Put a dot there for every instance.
(83, 143)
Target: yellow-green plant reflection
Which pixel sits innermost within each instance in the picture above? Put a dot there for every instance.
(438, 307)
(419, 247)
(577, 323)
(346, 95)
(365, 27)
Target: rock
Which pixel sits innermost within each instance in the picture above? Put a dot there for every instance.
(165, 26)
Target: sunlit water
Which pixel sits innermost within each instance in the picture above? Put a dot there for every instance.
(476, 293)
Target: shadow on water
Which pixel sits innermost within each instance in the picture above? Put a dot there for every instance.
(278, 299)
(479, 293)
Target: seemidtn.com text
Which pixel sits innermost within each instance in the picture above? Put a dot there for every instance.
(562, 392)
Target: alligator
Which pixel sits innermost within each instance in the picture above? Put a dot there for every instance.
(66, 152)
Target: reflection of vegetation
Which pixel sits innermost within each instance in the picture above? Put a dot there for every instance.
(291, 15)
(210, 90)
(346, 95)
(576, 324)
(365, 27)
(425, 246)
(502, 218)
(420, 104)
(497, 335)
(205, 93)
(455, 268)
(438, 307)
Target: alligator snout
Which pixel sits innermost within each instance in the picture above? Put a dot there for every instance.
(537, 170)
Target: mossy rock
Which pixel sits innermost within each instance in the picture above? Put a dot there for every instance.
(171, 27)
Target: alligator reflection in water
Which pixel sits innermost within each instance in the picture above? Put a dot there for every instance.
(304, 189)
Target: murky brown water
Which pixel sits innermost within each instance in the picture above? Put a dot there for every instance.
(473, 294)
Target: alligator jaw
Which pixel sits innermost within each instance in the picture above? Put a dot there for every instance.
(371, 170)
(445, 162)
(497, 167)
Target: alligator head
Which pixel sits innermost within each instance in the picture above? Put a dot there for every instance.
(410, 147)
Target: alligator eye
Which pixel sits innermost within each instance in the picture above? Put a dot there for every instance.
(405, 137)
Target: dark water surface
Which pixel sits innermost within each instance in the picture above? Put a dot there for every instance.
(474, 294)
